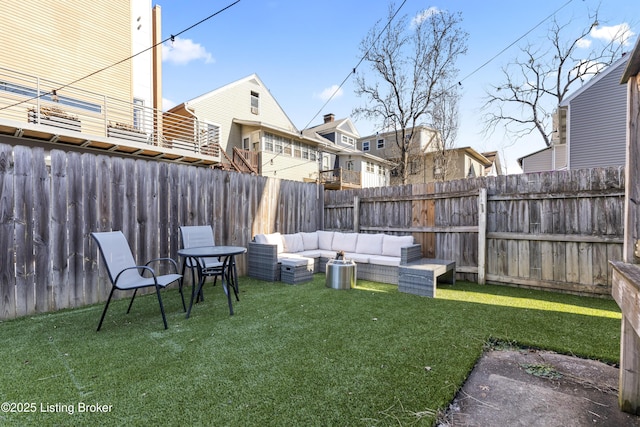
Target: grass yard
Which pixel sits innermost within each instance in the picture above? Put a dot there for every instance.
(301, 355)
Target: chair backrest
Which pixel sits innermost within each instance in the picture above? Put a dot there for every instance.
(194, 236)
(116, 254)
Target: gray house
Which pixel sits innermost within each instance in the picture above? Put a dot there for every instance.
(589, 126)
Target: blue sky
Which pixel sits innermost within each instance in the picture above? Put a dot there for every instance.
(301, 50)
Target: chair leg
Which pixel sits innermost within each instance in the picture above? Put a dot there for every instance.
(105, 308)
(132, 298)
(184, 307)
(164, 318)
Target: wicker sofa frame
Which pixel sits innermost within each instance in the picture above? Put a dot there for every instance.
(263, 264)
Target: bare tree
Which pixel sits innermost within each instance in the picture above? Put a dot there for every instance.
(445, 121)
(541, 76)
(412, 61)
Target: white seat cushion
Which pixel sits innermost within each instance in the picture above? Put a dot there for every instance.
(271, 239)
(369, 244)
(384, 260)
(293, 243)
(361, 258)
(344, 242)
(310, 240)
(325, 238)
(391, 245)
(327, 254)
(317, 253)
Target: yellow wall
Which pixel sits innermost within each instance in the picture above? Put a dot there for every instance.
(64, 40)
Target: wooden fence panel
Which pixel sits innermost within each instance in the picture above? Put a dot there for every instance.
(7, 276)
(551, 230)
(23, 216)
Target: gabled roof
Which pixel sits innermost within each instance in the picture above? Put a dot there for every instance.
(633, 66)
(595, 79)
(343, 125)
(253, 78)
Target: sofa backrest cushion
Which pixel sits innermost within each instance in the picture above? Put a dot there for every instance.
(325, 238)
(344, 241)
(369, 244)
(271, 239)
(293, 243)
(391, 244)
(310, 241)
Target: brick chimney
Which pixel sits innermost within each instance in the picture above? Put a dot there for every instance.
(328, 118)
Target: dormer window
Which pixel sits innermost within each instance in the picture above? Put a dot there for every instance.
(255, 102)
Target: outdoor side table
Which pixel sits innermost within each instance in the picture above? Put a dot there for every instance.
(296, 270)
(341, 274)
(421, 277)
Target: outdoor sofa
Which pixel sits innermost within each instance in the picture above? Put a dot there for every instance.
(378, 256)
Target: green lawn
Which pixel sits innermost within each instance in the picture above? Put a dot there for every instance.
(301, 355)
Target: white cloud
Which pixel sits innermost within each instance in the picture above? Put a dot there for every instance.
(424, 15)
(182, 51)
(584, 43)
(620, 33)
(167, 104)
(329, 92)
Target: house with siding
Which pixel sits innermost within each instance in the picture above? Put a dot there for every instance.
(345, 166)
(588, 126)
(257, 136)
(64, 84)
(426, 162)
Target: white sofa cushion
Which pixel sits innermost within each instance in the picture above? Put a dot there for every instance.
(271, 239)
(327, 253)
(293, 242)
(384, 260)
(310, 240)
(391, 244)
(325, 238)
(314, 253)
(369, 244)
(344, 242)
(361, 258)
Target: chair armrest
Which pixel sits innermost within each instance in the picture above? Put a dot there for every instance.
(171, 261)
(410, 253)
(137, 267)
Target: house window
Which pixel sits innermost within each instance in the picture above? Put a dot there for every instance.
(350, 165)
(365, 145)
(296, 150)
(255, 102)
(277, 144)
(245, 143)
(138, 111)
(371, 167)
(21, 90)
(287, 147)
(380, 144)
(305, 152)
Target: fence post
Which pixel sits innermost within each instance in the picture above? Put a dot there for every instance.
(356, 214)
(482, 235)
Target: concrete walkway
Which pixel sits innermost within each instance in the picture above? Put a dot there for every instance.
(536, 388)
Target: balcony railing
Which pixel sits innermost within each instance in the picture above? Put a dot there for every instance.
(30, 99)
(340, 178)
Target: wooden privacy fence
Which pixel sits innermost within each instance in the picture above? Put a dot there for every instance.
(51, 202)
(551, 230)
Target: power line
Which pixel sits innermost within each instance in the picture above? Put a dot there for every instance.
(514, 42)
(353, 71)
(171, 38)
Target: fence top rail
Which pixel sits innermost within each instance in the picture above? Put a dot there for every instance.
(412, 197)
(609, 192)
